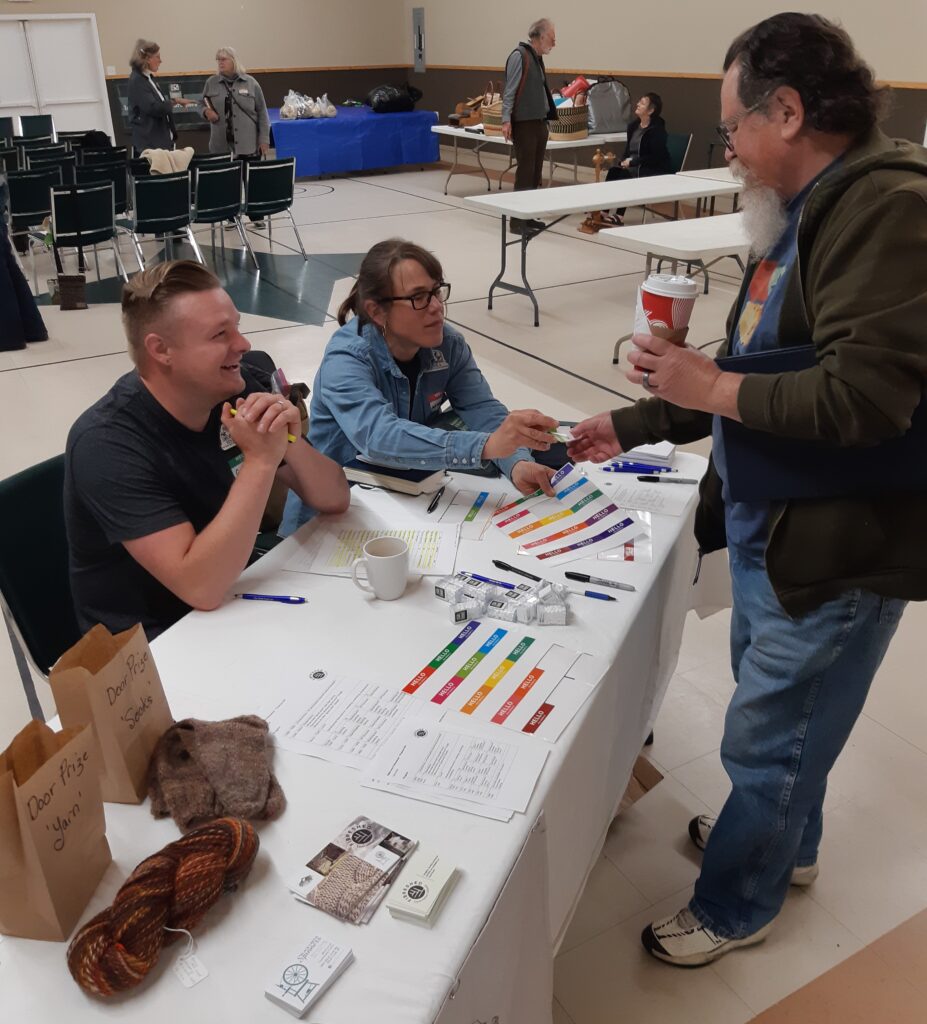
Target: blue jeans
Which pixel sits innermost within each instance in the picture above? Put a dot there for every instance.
(801, 685)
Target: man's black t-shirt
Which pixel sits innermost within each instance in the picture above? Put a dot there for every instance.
(131, 470)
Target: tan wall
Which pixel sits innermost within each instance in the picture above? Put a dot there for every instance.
(266, 33)
(661, 35)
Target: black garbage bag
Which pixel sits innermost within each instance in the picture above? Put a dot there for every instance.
(393, 99)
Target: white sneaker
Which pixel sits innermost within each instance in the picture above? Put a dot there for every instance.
(680, 940)
(700, 828)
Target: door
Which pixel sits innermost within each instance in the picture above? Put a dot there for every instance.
(53, 65)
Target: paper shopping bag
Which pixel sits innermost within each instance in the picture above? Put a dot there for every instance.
(53, 848)
(112, 682)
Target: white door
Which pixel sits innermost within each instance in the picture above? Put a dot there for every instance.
(52, 65)
(17, 88)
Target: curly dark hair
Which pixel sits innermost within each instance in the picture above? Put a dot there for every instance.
(656, 103)
(817, 59)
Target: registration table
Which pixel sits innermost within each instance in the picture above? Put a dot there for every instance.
(559, 203)
(490, 952)
(356, 139)
(480, 141)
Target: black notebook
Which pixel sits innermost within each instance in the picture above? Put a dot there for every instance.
(405, 481)
(767, 467)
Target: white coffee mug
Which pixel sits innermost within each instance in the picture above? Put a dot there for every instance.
(387, 562)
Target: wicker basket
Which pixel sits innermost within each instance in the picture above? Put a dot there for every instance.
(572, 123)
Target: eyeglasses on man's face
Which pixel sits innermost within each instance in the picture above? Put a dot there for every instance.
(727, 129)
(422, 298)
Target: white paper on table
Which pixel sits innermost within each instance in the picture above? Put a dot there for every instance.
(345, 721)
(432, 548)
(664, 499)
(428, 758)
(439, 800)
(473, 510)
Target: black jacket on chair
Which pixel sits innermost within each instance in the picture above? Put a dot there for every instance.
(151, 119)
(654, 156)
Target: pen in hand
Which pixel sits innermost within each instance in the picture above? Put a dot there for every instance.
(290, 437)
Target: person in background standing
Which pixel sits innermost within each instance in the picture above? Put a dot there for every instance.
(19, 315)
(149, 109)
(527, 106)
(233, 104)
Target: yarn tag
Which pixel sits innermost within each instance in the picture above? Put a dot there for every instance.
(190, 970)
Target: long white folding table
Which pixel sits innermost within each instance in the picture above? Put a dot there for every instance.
(714, 174)
(701, 242)
(563, 201)
(490, 953)
(554, 147)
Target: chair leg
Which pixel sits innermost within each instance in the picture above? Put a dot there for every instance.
(96, 261)
(32, 698)
(119, 263)
(137, 247)
(302, 248)
(193, 242)
(247, 243)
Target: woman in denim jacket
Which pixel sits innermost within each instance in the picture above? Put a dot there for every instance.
(388, 371)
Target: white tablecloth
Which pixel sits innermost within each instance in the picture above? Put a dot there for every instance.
(500, 927)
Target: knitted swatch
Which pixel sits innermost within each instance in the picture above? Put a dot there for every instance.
(171, 889)
(205, 770)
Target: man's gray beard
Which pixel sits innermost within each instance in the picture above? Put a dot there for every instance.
(765, 216)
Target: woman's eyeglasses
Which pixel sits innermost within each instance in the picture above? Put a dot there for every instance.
(422, 299)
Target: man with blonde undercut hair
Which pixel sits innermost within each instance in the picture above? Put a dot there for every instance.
(164, 487)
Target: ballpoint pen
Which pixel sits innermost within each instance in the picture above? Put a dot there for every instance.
(582, 577)
(636, 467)
(666, 480)
(433, 504)
(519, 572)
(292, 438)
(595, 594)
(495, 583)
(279, 598)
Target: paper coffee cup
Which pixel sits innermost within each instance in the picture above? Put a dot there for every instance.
(664, 306)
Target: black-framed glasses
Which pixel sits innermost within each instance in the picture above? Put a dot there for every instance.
(726, 128)
(422, 299)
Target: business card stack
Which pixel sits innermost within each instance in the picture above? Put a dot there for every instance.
(660, 454)
(349, 877)
(301, 979)
(423, 889)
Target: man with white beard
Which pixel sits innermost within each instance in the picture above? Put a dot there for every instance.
(837, 214)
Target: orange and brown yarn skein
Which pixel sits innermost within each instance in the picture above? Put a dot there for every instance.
(171, 889)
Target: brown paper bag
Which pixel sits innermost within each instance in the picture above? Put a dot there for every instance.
(53, 848)
(113, 683)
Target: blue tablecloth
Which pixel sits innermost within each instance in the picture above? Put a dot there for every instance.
(356, 139)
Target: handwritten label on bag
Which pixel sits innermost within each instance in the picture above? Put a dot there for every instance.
(66, 796)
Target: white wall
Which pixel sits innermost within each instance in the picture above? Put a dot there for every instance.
(678, 36)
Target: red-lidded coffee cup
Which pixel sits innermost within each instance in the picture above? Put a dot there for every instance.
(664, 306)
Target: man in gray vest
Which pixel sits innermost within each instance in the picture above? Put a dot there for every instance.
(527, 106)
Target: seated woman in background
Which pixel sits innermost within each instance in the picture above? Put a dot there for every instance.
(389, 369)
(645, 152)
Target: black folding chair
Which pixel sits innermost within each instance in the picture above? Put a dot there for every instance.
(217, 198)
(30, 204)
(161, 206)
(6, 128)
(117, 176)
(106, 156)
(9, 159)
(37, 126)
(269, 188)
(67, 162)
(84, 215)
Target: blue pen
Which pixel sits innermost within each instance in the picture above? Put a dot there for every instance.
(486, 579)
(642, 467)
(279, 598)
(595, 594)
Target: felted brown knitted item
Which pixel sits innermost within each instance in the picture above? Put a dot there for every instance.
(203, 770)
(171, 889)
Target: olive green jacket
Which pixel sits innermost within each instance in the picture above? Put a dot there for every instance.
(858, 292)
